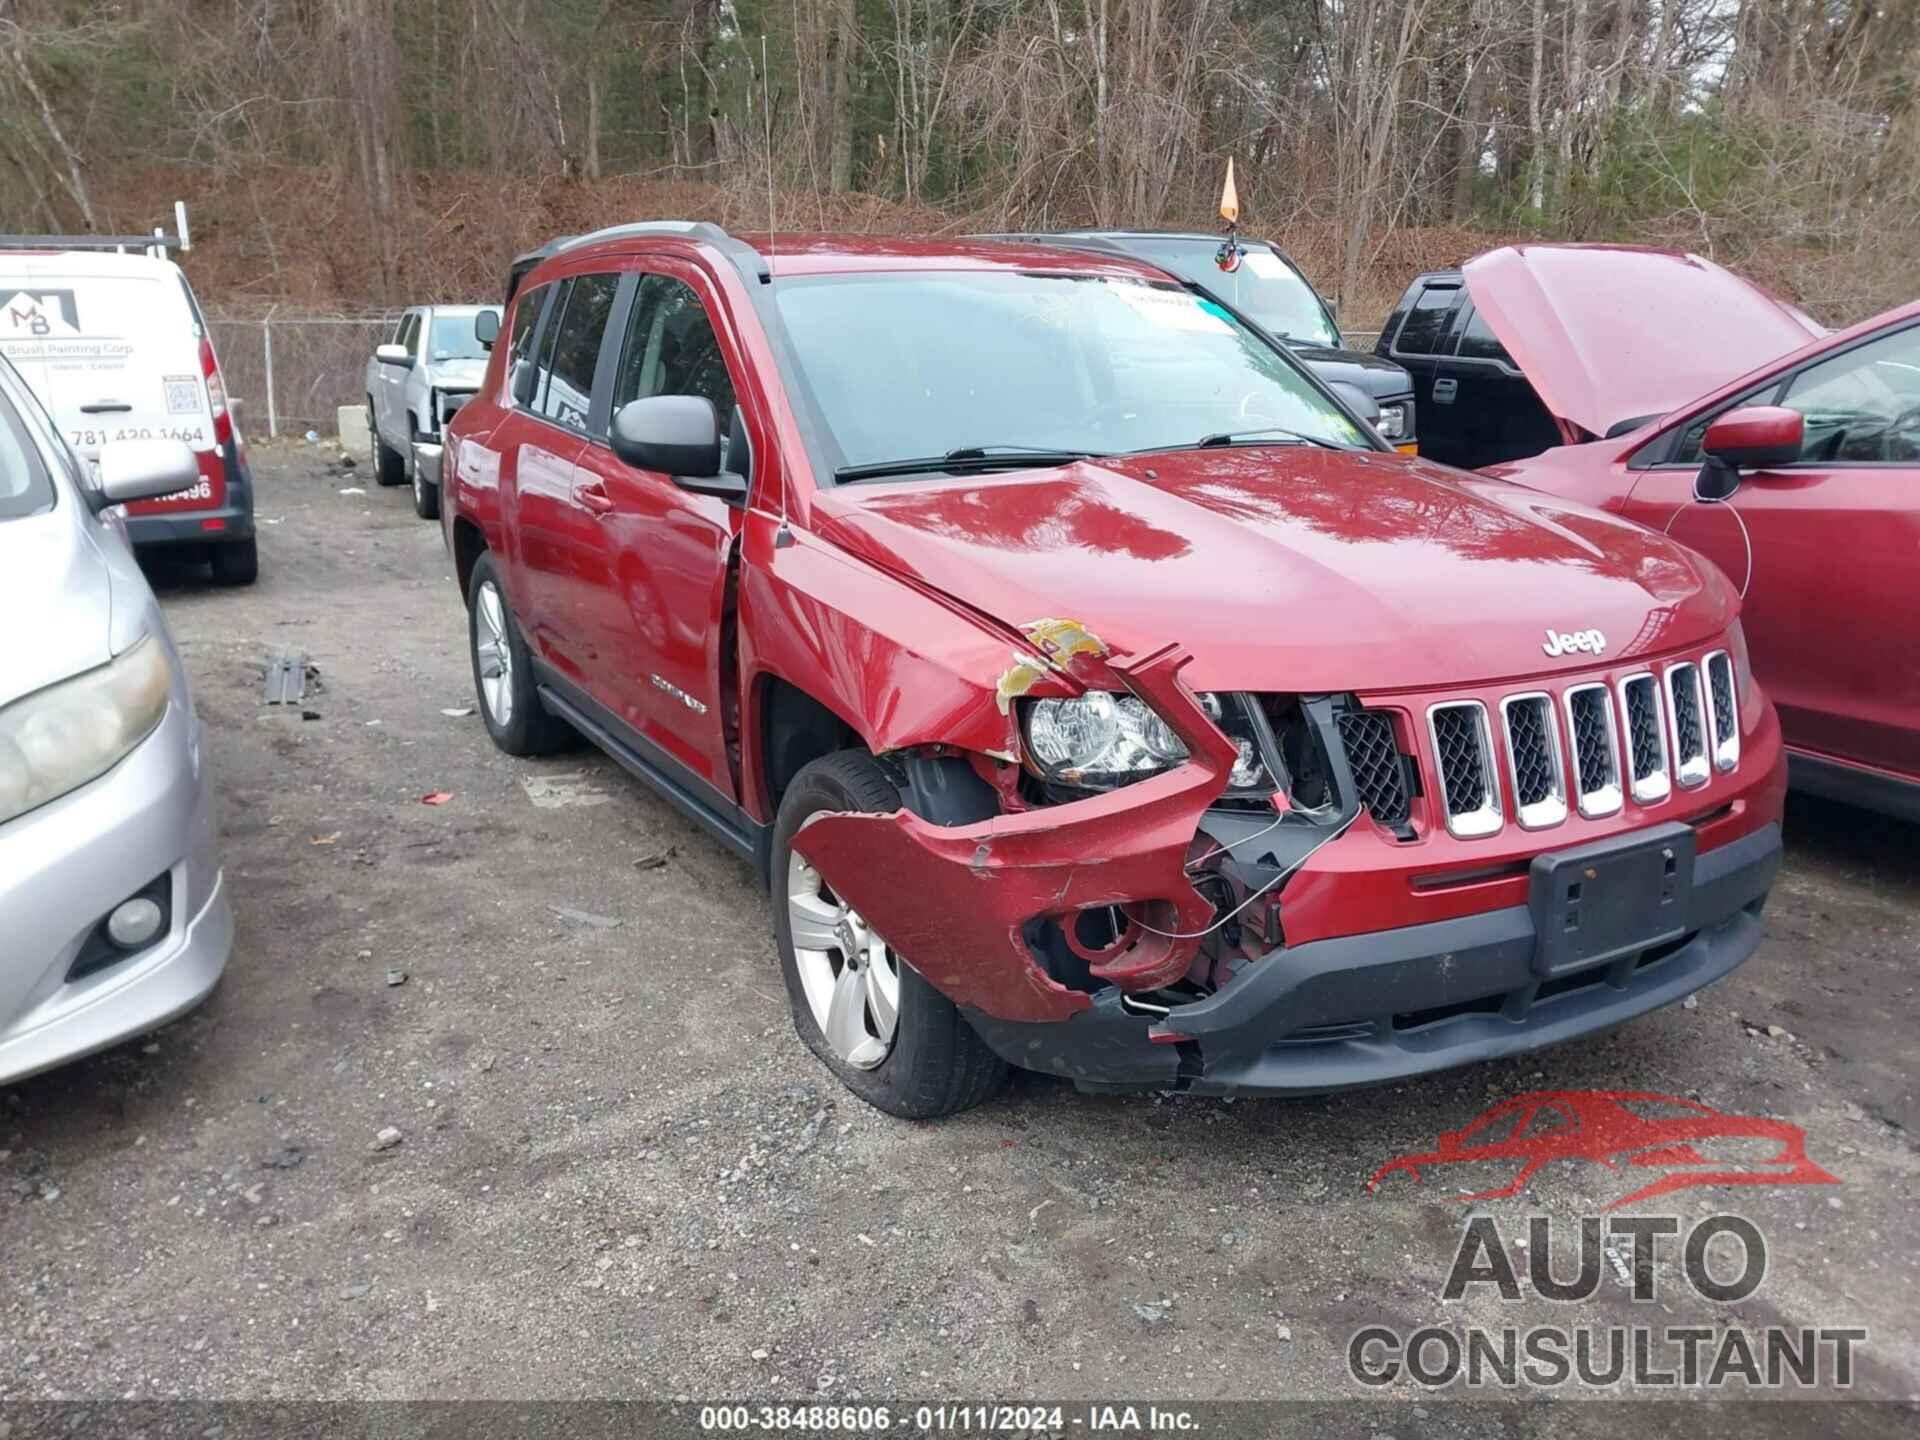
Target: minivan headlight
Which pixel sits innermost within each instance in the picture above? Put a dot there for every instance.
(1098, 741)
(59, 738)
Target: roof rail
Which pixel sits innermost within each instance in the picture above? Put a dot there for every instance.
(749, 261)
(157, 244)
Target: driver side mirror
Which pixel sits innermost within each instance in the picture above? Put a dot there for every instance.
(678, 436)
(1754, 437)
(1358, 401)
(486, 328)
(394, 355)
(144, 470)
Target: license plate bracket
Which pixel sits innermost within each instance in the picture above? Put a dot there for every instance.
(1596, 903)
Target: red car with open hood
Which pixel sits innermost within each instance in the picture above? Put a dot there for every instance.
(1091, 689)
(1799, 477)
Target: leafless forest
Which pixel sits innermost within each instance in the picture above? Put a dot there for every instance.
(353, 153)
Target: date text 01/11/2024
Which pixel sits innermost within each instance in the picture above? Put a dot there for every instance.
(945, 1418)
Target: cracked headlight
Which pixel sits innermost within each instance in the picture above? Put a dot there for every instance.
(59, 738)
(1392, 423)
(1099, 741)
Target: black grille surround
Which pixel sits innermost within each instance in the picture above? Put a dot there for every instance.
(1531, 740)
(1377, 765)
(1689, 725)
(1596, 766)
(1462, 748)
(1724, 710)
(1646, 740)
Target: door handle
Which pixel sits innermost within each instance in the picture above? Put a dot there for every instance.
(594, 497)
(1444, 390)
(106, 407)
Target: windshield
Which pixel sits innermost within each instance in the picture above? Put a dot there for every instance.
(453, 339)
(24, 486)
(1265, 287)
(921, 364)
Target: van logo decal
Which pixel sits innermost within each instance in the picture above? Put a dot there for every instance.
(1565, 642)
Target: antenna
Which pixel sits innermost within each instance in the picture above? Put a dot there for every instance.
(766, 122)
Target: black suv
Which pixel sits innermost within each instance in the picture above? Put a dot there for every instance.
(1268, 289)
(1476, 407)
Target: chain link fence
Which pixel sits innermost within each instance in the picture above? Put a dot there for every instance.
(292, 374)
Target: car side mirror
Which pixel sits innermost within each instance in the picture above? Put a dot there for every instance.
(145, 470)
(679, 436)
(394, 355)
(1357, 400)
(1754, 437)
(486, 328)
(524, 379)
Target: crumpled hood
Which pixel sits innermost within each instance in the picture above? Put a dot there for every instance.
(57, 592)
(1607, 333)
(1291, 569)
(457, 374)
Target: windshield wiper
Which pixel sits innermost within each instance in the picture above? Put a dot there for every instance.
(1224, 438)
(967, 457)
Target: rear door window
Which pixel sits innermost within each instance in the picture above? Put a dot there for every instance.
(112, 356)
(1426, 322)
(567, 395)
(1478, 342)
(543, 346)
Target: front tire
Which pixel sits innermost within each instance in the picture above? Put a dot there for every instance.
(890, 1037)
(503, 671)
(426, 498)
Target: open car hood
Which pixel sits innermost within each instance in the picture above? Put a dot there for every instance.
(1608, 333)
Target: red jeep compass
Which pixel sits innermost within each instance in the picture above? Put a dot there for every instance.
(1091, 690)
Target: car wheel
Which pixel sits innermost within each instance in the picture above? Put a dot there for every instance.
(426, 498)
(389, 465)
(503, 671)
(890, 1037)
(237, 562)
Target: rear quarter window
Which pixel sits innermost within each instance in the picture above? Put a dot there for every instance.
(1426, 322)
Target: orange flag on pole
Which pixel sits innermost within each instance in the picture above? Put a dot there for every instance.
(1229, 198)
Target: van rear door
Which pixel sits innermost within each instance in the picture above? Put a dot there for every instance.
(114, 356)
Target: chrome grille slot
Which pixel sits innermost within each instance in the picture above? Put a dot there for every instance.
(1374, 758)
(1534, 762)
(1463, 757)
(1722, 710)
(1689, 724)
(1646, 740)
(1596, 752)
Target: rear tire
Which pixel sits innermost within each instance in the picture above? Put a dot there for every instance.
(503, 671)
(237, 562)
(935, 1063)
(389, 465)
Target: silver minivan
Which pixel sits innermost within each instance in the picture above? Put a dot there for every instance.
(113, 911)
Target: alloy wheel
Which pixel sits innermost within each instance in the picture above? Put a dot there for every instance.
(850, 975)
(494, 654)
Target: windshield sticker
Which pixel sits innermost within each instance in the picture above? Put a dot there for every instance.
(1172, 310)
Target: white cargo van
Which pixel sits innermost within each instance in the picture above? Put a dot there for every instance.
(114, 344)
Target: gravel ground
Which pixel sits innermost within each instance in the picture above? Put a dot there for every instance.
(437, 1135)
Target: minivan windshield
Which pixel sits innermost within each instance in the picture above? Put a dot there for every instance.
(988, 364)
(1264, 287)
(452, 338)
(25, 488)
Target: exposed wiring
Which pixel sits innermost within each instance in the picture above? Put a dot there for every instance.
(1225, 846)
(1745, 538)
(1345, 825)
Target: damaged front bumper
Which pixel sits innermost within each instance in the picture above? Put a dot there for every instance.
(1366, 1009)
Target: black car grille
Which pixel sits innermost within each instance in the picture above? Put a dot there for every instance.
(1530, 739)
(1687, 734)
(1720, 683)
(1459, 749)
(1643, 727)
(1591, 720)
(1375, 761)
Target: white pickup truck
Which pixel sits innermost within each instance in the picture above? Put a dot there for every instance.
(429, 367)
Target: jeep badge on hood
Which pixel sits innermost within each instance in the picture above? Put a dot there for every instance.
(1565, 642)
